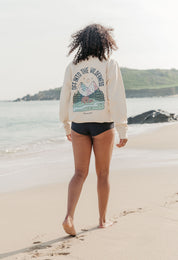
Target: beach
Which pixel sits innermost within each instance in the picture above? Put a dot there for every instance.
(143, 204)
(108, 62)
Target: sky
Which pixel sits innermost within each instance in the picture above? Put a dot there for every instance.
(35, 34)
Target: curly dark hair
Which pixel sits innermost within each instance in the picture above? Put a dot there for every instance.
(94, 40)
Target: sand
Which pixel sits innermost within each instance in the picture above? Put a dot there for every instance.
(143, 205)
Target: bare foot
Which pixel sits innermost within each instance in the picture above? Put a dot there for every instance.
(106, 224)
(69, 226)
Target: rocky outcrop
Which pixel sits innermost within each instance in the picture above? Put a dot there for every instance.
(153, 116)
(51, 94)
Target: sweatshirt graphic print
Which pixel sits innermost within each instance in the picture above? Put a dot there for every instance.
(88, 95)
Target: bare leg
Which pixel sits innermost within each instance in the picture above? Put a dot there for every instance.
(103, 147)
(82, 147)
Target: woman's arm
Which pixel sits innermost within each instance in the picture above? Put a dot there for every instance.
(117, 99)
(65, 99)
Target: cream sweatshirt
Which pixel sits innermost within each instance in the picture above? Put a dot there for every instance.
(93, 91)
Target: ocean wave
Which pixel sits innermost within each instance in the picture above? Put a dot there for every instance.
(45, 144)
(32, 147)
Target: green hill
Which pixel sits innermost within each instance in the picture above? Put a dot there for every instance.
(138, 83)
(153, 78)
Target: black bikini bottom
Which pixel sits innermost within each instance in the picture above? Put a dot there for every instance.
(91, 128)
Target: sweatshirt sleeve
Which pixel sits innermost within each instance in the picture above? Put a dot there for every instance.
(117, 99)
(65, 99)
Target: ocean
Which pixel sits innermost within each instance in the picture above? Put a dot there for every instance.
(31, 136)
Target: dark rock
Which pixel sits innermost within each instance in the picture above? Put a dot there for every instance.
(153, 116)
(17, 100)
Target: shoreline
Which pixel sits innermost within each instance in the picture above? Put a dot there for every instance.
(27, 170)
(128, 97)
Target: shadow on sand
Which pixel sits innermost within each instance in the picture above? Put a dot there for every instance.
(46, 244)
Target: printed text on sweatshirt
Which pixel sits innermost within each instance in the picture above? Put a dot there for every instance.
(93, 91)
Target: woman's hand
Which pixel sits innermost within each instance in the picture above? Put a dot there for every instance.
(69, 137)
(122, 143)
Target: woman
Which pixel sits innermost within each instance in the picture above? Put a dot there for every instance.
(92, 103)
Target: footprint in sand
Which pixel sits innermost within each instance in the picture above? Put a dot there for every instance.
(113, 220)
(49, 250)
(126, 212)
(80, 237)
(172, 200)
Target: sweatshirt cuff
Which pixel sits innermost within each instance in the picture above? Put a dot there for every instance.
(67, 128)
(122, 130)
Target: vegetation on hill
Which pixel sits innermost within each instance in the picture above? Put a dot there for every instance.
(51, 94)
(152, 78)
(138, 83)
